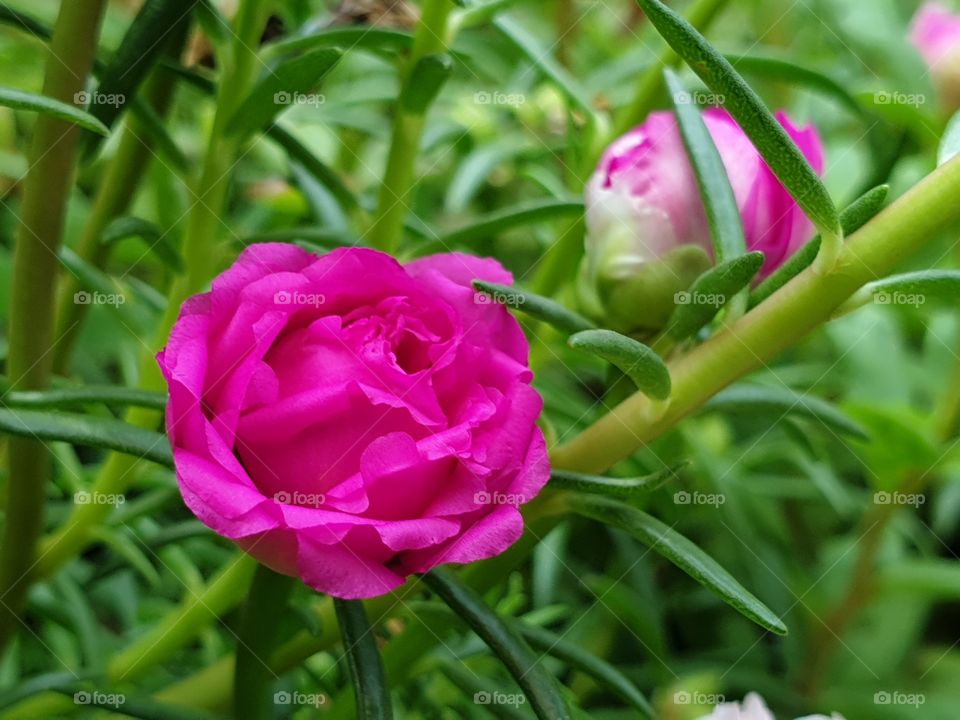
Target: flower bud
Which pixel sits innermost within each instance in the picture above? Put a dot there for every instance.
(935, 33)
(647, 231)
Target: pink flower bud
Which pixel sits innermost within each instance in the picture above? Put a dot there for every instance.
(643, 201)
(936, 35)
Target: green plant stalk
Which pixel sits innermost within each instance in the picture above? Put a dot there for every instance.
(222, 594)
(46, 192)
(256, 639)
(116, 191)
(790, 314)
(202, 253)
(392, 204)
(650, 83)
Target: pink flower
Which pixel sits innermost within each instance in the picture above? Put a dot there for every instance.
(643, 201)
(935, 33)
(754, 708)
(349, 420)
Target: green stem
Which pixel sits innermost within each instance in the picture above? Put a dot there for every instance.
(392, 205)
(650, 84)
(371, 692)
(116, 191)
(263, 614)
(795, 310)
(202, 251)
(196, 612)
(42, 213)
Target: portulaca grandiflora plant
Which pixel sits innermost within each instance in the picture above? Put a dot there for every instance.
(480, 359)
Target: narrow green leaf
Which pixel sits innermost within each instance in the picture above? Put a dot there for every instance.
(476, 688)
(853, 217)
(128, 550)
(682, 553)
(534, 305)
(642, 365)
(754, 399)
(542, 59)
(495, 223)
(291, 82)
(579, 659)
(538, 685)
(770, 139)
(152, 126)
(142, 44)
(134, 706)
(93, 280)
(20, 100)
(157, 241)
(726, 229)
(950, 142)
(364, 36)
(214, 25)
(83, 395)
(473, 172)
(710, 293)
(107, 433)
(17, 20)
(428, 77)
(481, 13)
(38, 684)
(363, 661)
(916, 288)
(796, 75)
(613, 487)
(301, 154)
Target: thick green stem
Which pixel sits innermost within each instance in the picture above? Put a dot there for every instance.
(116, 191)
(796, 309)
(257, 637)
(202, 251)
(45, 195)
(392, 205)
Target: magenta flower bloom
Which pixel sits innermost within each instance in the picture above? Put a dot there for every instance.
(643, 201)
(935, 33)
(349, 420)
